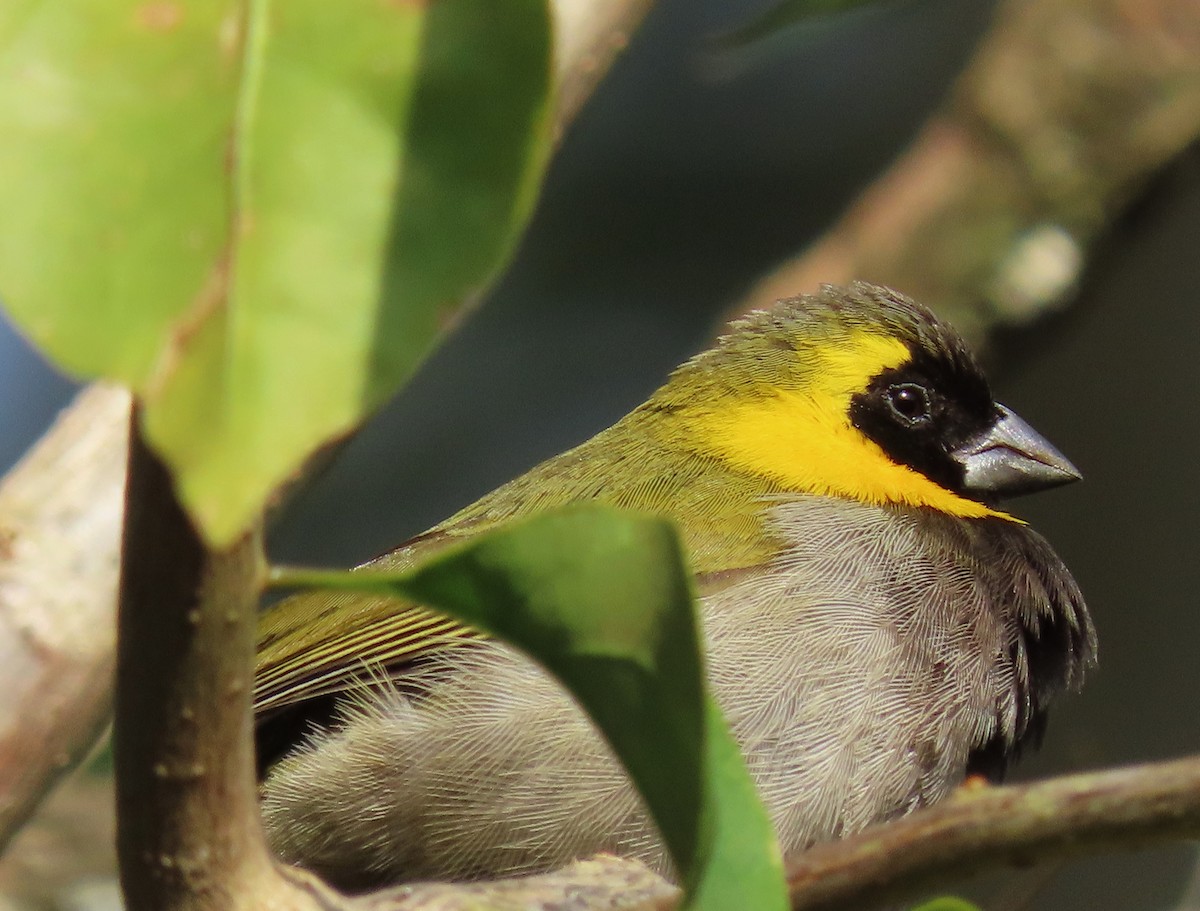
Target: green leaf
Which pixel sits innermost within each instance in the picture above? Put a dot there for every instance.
(746, 868)
(260, 215)
(602, 599)
(947, 903)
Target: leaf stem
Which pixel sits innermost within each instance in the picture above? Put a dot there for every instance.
(189, 837)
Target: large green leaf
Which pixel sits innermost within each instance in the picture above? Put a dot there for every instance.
(603, 600)
(260, 214)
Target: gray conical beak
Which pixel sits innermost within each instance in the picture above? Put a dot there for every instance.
(1012, 458)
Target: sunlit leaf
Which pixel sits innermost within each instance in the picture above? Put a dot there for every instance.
(259, 214)
(602, 599)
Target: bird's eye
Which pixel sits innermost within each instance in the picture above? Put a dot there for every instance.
(909, 402)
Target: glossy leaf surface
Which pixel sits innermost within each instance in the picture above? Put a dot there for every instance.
(602, 599)
(260, 215)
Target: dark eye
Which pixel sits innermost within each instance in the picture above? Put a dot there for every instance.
(909, 402)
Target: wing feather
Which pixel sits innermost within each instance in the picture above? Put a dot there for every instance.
(290, 672)
(317, 643)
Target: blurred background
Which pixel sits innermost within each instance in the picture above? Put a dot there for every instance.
(692, 173)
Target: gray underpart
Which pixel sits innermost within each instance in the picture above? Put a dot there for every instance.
(858, 672)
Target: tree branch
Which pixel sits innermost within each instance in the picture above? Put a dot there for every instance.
(189, 835)
(601, 883)
(588, 38)
(1065, 112)
(60, 519)
(984, 827)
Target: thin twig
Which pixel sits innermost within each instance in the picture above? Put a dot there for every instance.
(588, 36)
(60, 519)
(982, 828)
(1065, 112)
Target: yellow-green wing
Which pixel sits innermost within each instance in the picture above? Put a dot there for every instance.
(316, 643)
(319, 643)
(386, 633)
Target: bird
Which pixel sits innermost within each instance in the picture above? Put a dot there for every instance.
(876, 627)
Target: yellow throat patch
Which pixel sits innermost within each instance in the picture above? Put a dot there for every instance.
(803, 439)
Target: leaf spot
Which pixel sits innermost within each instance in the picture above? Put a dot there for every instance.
(207, 303)
(161, 17)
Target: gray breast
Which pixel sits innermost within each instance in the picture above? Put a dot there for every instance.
(859, 671)
(882, 650)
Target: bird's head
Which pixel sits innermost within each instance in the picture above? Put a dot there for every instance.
(859, 393)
